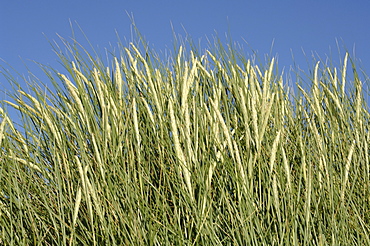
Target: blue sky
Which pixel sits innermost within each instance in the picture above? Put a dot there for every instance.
(292, 26)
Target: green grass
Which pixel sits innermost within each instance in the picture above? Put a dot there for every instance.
(200, 149)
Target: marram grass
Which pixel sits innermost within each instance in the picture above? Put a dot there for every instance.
(198, 150)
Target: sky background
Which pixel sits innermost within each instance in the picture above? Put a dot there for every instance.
(293, 27)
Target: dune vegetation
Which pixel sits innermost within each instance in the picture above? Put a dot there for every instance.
(198, 148)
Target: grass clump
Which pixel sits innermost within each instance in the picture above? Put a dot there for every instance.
(198, 150)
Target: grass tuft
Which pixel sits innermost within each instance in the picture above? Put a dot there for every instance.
(202, 149)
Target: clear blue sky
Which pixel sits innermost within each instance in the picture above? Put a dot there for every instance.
(311, 25)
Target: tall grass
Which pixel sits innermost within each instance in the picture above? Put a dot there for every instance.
(201, 149)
